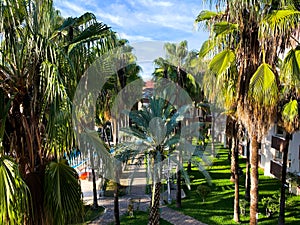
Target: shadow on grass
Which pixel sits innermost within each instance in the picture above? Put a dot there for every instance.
(218, 206)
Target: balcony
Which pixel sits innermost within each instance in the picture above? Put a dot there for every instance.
(276, 169)
(278, 143)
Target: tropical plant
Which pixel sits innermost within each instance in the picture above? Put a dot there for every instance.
(42, 58)
(203, 191)
(181, 67)
(248, 36)
(14, 194)
(153, 128)
(288, 115)
(61, 207)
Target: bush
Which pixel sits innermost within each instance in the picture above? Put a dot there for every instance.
(243, 206)
(271, 204)
(203, 191)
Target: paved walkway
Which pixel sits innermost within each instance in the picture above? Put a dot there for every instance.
(136, 192)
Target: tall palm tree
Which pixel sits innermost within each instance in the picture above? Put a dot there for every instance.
(288, 114)
(42, 60)
(244, 30)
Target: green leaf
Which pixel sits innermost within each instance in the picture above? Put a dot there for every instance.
(263, 88)
(62, 194)
(290, 111)
(14, 194)
(222, 62)
(206, 48)
(206, 15)
(291, 67)
(223, 28)
(278, 19)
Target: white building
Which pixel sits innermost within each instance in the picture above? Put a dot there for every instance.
(271, 156)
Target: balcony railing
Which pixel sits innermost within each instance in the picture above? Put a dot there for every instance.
(276, 169)
(278, 143)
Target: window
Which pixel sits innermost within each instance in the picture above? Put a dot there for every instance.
(278, 155)
(279, 131)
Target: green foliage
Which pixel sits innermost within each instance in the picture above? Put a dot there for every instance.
(62, 194)
(206, 15)
(271, 204)
(263, 87)
(203, 191)
(14, 194)
(222, 62)
(223, 28)
(291, 66)
(290, 111)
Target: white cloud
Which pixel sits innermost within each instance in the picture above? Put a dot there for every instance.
(70, 8)
(117, 20)
(151, 3)
(142, 20)
(134, 38)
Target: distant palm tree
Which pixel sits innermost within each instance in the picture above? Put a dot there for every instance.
(177, 67)
(153, 128)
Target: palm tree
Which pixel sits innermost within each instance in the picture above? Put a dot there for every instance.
(251, 34)
(43, 57)
(177, 68)
(153, 128)
(288, 115)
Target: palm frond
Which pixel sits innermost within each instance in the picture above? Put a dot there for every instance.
(263, 88)
(222, 62)
(290, 73)
(281, 21)
(223, 28)
(206, 15)
(290, 111)
(206, 48)
(14, 194)
(62, 194)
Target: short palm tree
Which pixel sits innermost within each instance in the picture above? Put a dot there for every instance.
(153, 131)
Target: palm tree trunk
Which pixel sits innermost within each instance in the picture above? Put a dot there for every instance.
(116, 204)
(247, 180)
(281, 218)
(213, 134)
(116, 192)
(233, 164)
(154, 215)
(178, 191)
(95, 202)
(189, 166)
(254, 181)
(236, 215)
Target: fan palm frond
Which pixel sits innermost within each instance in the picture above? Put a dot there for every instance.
(263, 87)
(62, 194)
(14, 194)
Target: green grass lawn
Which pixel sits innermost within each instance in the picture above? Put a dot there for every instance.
(91, 214)
(218, 207)
(139, 218)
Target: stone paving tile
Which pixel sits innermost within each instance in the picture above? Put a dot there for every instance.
(137, 191)
(178, 218)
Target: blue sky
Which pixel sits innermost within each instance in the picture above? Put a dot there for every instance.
(144, 23)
